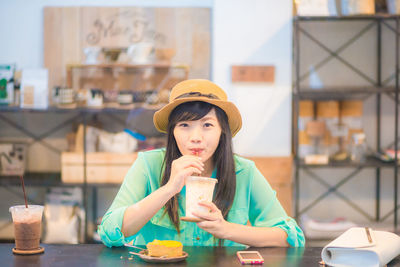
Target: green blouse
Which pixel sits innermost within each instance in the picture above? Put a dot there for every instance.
(254, 201)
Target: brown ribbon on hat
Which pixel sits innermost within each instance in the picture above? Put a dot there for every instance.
(197, 94)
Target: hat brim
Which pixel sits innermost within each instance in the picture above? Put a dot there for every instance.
(161, 117)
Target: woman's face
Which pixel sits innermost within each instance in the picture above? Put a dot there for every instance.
(199, 137)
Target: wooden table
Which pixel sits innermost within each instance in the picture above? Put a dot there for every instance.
(99, 255)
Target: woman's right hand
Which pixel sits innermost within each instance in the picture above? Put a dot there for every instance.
(181, 168)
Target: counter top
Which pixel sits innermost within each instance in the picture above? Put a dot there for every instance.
(99, 255)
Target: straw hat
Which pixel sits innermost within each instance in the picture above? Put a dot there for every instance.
(198, 90)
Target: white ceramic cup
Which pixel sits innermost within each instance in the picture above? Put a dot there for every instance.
(141, 53)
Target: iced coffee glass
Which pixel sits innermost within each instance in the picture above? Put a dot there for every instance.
(198, 189)
(27, 226)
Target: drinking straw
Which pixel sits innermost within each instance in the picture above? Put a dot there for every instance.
(196, 153)
(23, 189)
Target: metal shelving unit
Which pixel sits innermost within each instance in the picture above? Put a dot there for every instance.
(376, 87)
(53, 179)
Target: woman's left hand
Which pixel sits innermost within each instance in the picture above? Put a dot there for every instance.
(213, 221)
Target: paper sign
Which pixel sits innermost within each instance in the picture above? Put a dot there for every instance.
(34, 89)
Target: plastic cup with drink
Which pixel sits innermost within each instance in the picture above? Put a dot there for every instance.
(197, 189)
(27, 221)
(27, 227)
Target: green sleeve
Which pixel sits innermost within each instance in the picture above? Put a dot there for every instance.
(133, 189)
(266, 211)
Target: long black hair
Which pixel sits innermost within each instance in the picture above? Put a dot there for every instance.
(222, 158)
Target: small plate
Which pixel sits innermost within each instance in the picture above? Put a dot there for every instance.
(143, 256)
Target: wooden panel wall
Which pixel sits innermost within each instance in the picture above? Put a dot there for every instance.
(278, 172)
(67, 30)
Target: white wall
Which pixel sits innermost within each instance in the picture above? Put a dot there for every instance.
(256, 32)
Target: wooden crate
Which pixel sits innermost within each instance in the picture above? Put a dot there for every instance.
(102, 167)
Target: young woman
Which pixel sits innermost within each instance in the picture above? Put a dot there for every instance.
(200, 124)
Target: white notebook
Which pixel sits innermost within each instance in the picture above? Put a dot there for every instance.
(362, 246)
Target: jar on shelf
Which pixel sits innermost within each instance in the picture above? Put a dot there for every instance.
(358, 148)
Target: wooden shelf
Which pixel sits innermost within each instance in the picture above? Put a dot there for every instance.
(341, 93)
(342, 18)
(105, 109)
(126, 65)
(123, 76)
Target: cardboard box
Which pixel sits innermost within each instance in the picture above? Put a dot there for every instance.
(306, 108)
(316, 8)
(101, 167)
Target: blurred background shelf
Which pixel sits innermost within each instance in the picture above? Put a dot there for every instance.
(341, 90)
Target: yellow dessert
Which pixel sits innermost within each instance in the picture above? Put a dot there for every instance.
(166, 248)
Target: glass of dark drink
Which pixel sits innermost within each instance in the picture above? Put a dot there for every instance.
(27, 226)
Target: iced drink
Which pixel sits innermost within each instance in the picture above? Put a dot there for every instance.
(27, 226)
(198, 189)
